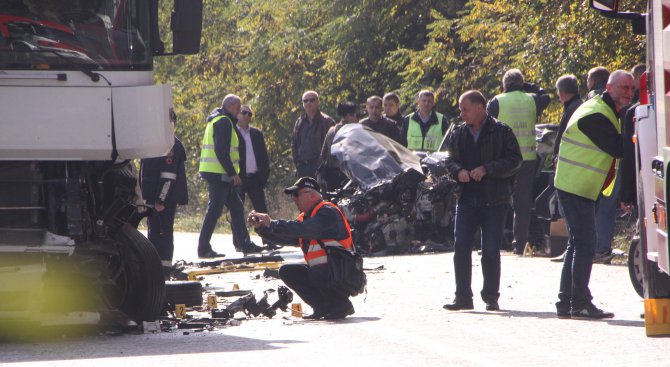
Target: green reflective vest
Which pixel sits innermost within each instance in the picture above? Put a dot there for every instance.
(582, 167)
(517, 110)
(208, 160)
(416, 140)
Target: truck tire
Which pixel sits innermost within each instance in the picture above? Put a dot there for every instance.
(140, 279)
(636, 266)
(188, 293)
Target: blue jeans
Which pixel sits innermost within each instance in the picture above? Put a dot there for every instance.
(472, 214)
(580, 216)
(605, 212)
(220, 194)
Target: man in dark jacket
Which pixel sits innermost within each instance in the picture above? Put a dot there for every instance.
(377, 122)
(255, 168)
(484, 157)
(596, 80)
(567, 89)
(330, 175)
(308, 135)
(163, 182)
(391, 104)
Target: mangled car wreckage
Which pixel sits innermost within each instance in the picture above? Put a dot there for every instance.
(395, 201)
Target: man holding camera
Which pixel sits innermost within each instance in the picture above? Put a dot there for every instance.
(320, 224)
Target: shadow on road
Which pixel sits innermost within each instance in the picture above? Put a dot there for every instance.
(135, 345)
(552, 315)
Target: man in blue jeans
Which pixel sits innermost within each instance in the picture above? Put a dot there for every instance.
(484, 156)
(585, 168)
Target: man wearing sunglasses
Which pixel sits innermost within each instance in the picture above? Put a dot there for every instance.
(308, 136)
(255, 167)
(319, 224)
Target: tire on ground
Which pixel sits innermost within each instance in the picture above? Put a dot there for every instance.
(188, 293)
(143, 284)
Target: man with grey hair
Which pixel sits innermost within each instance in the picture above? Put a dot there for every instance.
(220, 167)
(567, 90)
(586, 166)
(308, 135)
(519, 107)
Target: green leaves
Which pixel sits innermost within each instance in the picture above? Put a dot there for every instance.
(270, 52)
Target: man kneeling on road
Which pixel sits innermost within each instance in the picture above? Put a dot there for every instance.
(319, 224)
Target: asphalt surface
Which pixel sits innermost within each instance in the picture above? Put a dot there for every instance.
(400, 322)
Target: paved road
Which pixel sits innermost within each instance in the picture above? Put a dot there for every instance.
(400, 323)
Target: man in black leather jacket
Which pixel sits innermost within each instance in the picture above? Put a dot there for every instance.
(484, 156)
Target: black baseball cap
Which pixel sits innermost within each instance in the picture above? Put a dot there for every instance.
(303, 182)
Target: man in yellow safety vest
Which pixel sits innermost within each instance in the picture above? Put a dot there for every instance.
(586, 166)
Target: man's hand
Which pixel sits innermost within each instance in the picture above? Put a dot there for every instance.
(463, 176)
(256, 219)
(159, 207)
(478, 173)
(237, 181)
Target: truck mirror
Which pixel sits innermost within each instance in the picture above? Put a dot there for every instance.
(605, 5)
(186, 25)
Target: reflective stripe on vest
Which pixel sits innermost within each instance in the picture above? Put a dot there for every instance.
(582, 167)
(316, 255)
(208, 160)
(517, 110)
(433, 138)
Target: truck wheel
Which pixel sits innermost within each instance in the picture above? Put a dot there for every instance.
(140, 286)
(636, 266)
(183, 292)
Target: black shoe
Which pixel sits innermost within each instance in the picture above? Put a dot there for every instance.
(492, 306)
(316, 315)
(563, 310)
(251, 248)
(563, 314)
(590, 312)
(603, 257)
(209, 254)
(272, 246)
(459, 304)
(340, 314)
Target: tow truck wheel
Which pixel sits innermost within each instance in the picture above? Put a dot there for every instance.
(139, 284)
(636, 266)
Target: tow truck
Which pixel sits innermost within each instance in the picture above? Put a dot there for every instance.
(649, 254)
(78, 104)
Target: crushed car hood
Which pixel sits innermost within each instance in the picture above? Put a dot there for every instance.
(371, 159)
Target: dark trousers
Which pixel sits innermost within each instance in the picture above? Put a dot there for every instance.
(310, 284)
(306, 169)
(161, 233)
(522, 203)
(580, 217)
(220, 194)
(472, 214)
(253, 186)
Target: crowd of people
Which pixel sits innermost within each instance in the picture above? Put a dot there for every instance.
(492, 155)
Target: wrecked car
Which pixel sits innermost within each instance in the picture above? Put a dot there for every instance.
(395, 201)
